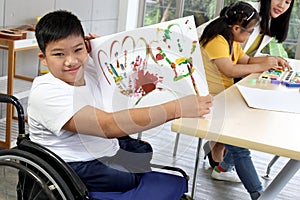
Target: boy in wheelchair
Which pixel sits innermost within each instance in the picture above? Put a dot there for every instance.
(65, 113)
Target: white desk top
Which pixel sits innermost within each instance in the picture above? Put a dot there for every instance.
(233, 122)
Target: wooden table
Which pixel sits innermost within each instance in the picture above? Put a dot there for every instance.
(13, 46)
(233, 122)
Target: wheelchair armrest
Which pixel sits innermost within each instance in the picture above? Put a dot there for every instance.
(5, 98)
(176, 169)
(57, 163)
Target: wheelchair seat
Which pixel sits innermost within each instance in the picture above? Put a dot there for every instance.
(44, 175)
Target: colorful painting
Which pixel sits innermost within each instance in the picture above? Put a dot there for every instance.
(160, 59)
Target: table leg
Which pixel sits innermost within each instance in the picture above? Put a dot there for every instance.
(176, 144)
(288, 171)
(196, 167)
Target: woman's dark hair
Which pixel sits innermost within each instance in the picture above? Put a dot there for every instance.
(239, 13)
(57, 25)
(274, 27)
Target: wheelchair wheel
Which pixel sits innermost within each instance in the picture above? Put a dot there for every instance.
(9, 180)
(25, 176)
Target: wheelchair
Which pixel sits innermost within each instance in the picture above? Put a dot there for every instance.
(30, 171)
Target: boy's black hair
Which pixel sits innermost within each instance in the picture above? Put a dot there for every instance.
(238, 13)
(57, 25)
(276, 27)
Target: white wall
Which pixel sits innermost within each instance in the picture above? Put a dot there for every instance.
(1, 11)
(105, 16)
(97, 16)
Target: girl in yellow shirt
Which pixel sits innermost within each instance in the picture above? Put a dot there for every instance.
(224, 59)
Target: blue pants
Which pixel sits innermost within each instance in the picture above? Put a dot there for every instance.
(241, 159)
(119, 173)
(153, 186)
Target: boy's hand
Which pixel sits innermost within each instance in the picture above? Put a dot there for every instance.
(194, 106)
(91, 36)
(87, 41)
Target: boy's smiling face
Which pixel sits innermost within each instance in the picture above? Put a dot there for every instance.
(66, 59)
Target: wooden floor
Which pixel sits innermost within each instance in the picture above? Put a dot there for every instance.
(162, 141)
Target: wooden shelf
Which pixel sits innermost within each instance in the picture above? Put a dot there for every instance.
(13, 46)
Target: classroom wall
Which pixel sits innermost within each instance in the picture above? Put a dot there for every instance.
(97, 16)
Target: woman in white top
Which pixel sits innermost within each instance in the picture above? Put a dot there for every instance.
(275, 17)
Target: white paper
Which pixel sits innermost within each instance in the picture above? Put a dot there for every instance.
(128, 60)
(276, 100)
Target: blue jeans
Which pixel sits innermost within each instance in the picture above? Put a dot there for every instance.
(118, 173)
(241, 159)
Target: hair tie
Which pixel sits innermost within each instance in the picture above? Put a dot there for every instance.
(250, 16)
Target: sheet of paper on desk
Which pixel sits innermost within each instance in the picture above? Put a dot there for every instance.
(276, 100)
(159, 58)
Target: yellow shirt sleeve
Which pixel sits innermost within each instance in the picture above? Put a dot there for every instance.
(217, 48)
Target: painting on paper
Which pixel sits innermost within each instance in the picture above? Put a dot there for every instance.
(150, 65)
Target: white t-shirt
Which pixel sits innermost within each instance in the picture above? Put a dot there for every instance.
(52, 103)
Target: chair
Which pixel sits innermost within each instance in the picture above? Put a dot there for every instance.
(40, 174)
(271, 163)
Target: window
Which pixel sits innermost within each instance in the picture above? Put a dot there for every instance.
(203, 10)
(157, 11)
(290, 44)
